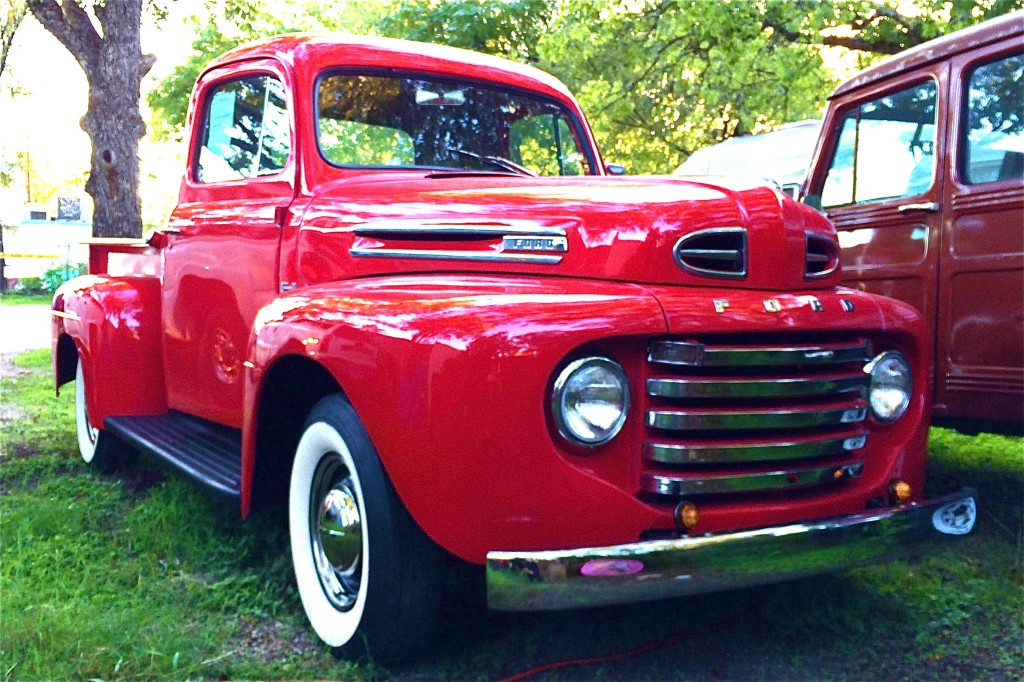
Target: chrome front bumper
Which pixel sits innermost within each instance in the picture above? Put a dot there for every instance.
(658, 569)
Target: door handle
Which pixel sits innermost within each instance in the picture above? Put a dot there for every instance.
(175, 230)
(929, 206)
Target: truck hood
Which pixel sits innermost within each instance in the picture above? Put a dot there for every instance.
(652, 230)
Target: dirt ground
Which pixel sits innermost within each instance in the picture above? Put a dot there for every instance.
(23, 327)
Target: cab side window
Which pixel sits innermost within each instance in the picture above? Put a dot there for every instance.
(246, 131)
(993, 142)
(885, 150)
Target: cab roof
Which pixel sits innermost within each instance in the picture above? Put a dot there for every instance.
(986, 32)
(328, 50)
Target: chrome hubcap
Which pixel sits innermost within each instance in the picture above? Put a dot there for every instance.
(336, 530)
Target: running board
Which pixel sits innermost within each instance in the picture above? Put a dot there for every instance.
(210, 454)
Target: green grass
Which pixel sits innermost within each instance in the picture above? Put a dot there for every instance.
(26, 299)
(138, 576)
(134, 576)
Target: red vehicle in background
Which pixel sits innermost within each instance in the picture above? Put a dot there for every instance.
(920, 166)
(401, 295)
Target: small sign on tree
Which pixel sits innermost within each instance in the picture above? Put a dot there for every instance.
(69, 208)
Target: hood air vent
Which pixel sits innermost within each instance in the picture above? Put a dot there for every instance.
(718, 252)
(821, 256)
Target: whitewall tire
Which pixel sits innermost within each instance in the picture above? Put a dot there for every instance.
(367, 575)
(334, 610)
(99, 449)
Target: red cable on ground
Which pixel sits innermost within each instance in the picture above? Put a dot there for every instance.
(651, 646)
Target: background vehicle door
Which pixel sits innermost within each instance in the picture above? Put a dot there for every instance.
(980, 333)
(880, 181)
(221, 261)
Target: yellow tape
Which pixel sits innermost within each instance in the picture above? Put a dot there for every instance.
(6, 256)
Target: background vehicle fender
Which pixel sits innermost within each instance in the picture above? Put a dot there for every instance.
(113, 323)
(451, 377)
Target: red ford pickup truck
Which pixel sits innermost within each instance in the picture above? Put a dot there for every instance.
(402, 294)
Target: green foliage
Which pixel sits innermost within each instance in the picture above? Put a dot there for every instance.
(231, 23)
(659, 79)
(30, 286)
(49, 282)
(12, 13)
(352, 143)
(54, 277)
(507, 28)
(879, 26)
(169, 100)
(691, 74)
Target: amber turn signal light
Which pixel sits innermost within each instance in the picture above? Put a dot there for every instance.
(687, 515)
(900, 491)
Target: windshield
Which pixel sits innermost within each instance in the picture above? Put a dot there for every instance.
(415, 121)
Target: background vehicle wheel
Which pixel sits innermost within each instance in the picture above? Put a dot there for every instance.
(369, 578)
(100, 450)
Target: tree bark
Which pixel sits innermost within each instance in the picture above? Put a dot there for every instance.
(114, 67)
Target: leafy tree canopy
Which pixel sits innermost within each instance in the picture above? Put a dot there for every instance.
(877, 26)
(230, 23)
(12, 13)
(507, 28)
(659, 79)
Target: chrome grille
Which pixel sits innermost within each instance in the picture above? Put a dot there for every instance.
(726, 417)
(741, 483)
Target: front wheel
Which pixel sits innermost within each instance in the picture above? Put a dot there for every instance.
(99, 449)
(368, 577)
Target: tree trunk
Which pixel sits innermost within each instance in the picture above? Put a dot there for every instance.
(114, 66)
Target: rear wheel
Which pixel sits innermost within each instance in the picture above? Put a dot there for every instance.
(99, 449)
(368, 577)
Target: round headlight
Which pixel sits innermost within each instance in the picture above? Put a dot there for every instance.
(891, 385)
(590, 401)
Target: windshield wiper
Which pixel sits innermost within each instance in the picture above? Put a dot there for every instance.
(496, 161)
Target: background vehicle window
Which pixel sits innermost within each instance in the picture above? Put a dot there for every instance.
(886, 149)
(246, 133)
(993, 142)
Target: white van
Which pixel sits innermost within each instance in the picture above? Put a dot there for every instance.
(781, 156)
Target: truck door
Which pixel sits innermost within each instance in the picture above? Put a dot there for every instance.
(221, 261)
(980, 333)
(879, 179)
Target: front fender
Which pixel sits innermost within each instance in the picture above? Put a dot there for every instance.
(113, 324)
(451, 377)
